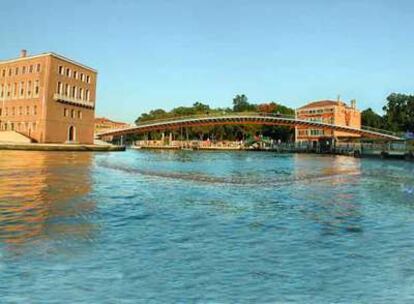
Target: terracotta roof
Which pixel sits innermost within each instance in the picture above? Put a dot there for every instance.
(106, 120)
(322, 103)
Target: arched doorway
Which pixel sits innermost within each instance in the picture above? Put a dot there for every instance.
(71, 134)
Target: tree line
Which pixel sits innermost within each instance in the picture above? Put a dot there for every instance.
(225, 132)
(398, 117)
(398, 114)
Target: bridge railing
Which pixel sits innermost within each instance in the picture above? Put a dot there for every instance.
(215, 114)
(246, 114)
(381, 131)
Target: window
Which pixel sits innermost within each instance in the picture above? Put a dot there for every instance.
(316, 132)
(31, 68)
(72, 113)
(68, 72)
(67, 90)
(24, 70)
(74, 92)
(29, 88)
(81, 93)
(75, 74)
(2, 90)
(61, 70)
(82, 76)
(20, 110)
(59, 87)
(36, 88)
(65, 112)
(3, 73)
(38, 67)
(21, 89)
(34, 110)
(15, 89)
(79, 114)
(16, 72)
(27, 110)
(87, 95)
(88, 79)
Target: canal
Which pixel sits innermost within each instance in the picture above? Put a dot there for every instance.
(215, 227)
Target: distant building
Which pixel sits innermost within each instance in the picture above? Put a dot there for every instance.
(104, 124)
(48, 97)
(330, 112)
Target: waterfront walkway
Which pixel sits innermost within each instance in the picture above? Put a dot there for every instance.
(59, 147)
(395, 149)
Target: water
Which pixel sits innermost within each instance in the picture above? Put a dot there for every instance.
(206, 227)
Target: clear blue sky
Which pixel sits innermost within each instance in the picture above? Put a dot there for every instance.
(162, 54)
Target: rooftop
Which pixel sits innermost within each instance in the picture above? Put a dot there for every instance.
(107, 120)
(24, 57)
(323, 103)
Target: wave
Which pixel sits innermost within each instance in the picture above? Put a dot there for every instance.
(247, 181)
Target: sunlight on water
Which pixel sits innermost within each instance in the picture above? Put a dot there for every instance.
(219, 227)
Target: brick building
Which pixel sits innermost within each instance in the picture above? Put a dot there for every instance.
(48, 97)
(330, 112)
(104, 124)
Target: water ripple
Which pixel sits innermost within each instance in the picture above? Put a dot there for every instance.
(171, 227)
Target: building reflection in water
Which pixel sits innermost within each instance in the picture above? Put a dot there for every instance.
(44, 195)
(331, 202)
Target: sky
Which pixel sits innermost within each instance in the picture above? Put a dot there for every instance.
(162, 54)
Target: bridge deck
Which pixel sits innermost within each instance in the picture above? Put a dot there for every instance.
(244, 118)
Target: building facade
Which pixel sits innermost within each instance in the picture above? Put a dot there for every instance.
(104, 124)
(48, 98)
(330, 112)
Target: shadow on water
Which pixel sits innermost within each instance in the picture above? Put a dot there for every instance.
(233, 180)
(42, 196)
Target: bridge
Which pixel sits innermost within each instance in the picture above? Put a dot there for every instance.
(245, 118)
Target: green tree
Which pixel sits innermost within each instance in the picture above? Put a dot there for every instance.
(277, 132)
(241, 104)
(371, 119)
(201, 108)
(229, 132)
(152, 115)
(399, 112)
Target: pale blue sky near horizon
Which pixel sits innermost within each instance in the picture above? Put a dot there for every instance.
(163, 54)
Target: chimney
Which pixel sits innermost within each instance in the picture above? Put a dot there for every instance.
(353, 104)
(23, 53)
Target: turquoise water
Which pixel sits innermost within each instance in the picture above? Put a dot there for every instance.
(205, 227)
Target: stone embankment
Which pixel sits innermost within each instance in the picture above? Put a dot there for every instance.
(11, 140)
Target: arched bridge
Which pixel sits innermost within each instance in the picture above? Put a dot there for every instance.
(243, 119)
